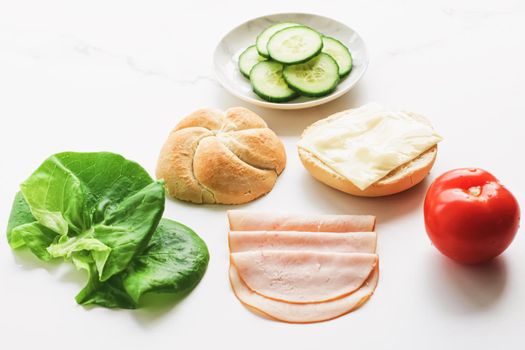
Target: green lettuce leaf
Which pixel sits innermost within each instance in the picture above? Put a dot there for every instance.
(107, 178)
(36, 237)
(97, 202)
(128, 227)
(125, 231)
(57, 197)
(66, 247)
(102, 212)
(20, 215)
(109, 294)
(174, 261)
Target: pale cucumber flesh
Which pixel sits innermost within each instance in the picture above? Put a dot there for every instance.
(295, 45)
(262, 39)
(291, 59)
(339, 53)
(268, 83)
(249, 58)
(315, 78)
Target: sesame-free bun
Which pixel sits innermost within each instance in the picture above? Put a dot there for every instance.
(398, 180)
(229, 157)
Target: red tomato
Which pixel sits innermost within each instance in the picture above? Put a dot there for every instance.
(469, 216)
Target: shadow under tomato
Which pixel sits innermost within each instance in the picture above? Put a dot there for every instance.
(467, 288)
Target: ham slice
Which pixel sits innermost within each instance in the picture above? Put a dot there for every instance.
(347, 242)
(256, 221)
(302, 313)
(303, 276)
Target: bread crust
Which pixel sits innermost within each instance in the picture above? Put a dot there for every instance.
(227, 157)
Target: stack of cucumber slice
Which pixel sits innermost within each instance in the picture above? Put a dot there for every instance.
(290, 59)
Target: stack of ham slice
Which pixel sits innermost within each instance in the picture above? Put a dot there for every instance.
(302, 269)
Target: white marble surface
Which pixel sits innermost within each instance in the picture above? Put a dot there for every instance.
(117, 75)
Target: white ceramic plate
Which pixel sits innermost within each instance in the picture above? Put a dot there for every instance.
(238, 39)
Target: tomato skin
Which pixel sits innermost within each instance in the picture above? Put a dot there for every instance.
(469, 216)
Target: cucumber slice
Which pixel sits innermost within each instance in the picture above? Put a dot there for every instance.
(267, 82)
(315, 78)
(262, 39)
(249, 58)
(295, 45)
(339, 53)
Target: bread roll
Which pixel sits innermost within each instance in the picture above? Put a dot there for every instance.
(227, 157)
(399, 179)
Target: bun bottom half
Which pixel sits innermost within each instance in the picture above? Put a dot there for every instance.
(398, 180)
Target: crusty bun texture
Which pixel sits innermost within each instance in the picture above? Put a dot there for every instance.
(227, 157)
(400, 179)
